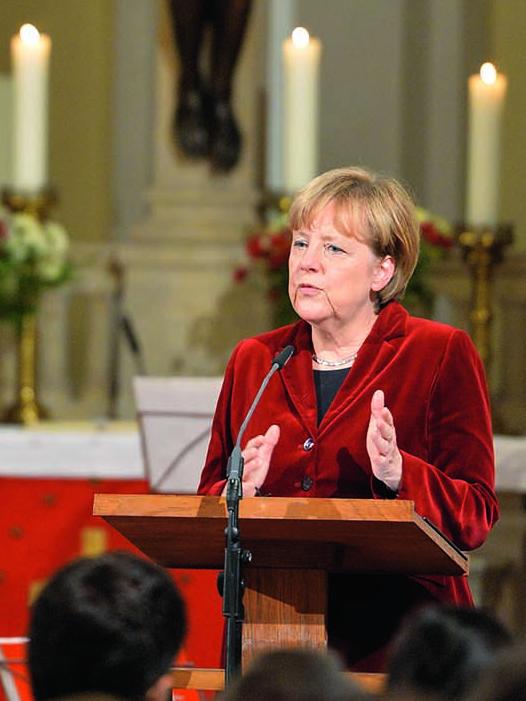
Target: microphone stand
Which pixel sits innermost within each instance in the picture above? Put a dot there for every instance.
(116, 270)
(231, 583)
(133, 342)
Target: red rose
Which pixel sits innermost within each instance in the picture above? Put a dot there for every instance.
(4, 232)
(279, 249)
(239, 274)
(253, 246)
(432, 235)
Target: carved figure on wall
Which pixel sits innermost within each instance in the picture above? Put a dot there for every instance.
(204, 122)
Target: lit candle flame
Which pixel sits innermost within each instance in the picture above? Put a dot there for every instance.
(488, 73)
(300, 37)
(29, 34)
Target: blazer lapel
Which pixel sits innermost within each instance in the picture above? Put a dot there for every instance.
(298, 379)
(375, 354)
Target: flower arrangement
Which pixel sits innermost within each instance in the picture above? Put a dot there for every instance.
(268, 249)
(436, 238)
(33, 258)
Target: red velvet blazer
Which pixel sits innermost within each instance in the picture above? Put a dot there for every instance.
(435, 387)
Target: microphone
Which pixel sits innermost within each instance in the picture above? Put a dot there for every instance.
(235, 461)
(281, 359)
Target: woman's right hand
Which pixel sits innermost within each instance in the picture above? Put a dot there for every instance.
(257, 454)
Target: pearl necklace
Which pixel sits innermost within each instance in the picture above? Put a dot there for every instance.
(334, 363)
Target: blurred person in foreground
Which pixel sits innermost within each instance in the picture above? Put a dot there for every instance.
(299, 674)
(504, 679)
(442, 651)
(106, 626)
(374, 403)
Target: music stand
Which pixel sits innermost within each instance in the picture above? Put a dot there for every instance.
(175, 417)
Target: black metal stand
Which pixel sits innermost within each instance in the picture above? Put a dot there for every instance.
(232, 584)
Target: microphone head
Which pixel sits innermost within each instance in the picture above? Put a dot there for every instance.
(282, 358)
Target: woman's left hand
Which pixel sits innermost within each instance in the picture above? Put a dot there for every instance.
(386, 460)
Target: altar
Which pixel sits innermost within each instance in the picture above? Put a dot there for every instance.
(112, 450)
(49, 474)
(48, 477)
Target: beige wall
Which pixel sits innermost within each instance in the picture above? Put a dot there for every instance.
(509, 25)
(80, 104)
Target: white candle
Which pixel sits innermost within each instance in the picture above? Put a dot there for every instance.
(30, 55)
(301, 57)
(487, 92)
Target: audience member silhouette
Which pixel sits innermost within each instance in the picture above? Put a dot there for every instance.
(442, 650)
(204, 122)
(505, 679)
(294, 675)
(109, 625)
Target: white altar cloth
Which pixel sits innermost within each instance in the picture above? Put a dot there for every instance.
(510, 459)
(98, 450)
(113, 451)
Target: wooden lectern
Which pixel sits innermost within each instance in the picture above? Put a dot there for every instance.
(294, 543)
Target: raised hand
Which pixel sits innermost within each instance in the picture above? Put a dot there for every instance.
(386, 460)
(257, 454)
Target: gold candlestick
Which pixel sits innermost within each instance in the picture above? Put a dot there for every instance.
(273, 201)
(482, 248)
(36, 203)
(26, 408)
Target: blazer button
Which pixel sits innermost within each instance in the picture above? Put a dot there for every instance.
(306, 483)
(309, 444)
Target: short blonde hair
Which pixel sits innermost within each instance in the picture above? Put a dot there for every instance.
(366, 203)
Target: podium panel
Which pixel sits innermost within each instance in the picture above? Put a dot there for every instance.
(283, 608)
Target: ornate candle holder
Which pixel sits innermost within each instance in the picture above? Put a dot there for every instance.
(37, 203)
(274, 201)
(26, 409)
(482, 248)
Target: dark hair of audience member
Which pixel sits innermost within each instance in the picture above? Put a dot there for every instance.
(442, 651)
(505, 679)
(397, 695)
(110, 624)
(295, 674)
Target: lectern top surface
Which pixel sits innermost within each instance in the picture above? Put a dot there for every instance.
(365, 535)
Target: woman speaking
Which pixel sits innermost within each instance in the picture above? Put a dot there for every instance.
(374, 403)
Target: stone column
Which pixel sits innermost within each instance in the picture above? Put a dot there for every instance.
(180, 259)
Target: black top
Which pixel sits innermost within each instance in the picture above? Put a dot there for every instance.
(327, 383)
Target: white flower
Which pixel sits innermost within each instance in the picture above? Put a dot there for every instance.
(49, 269)
(31, 253)
(57, 239)
(27, 240)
